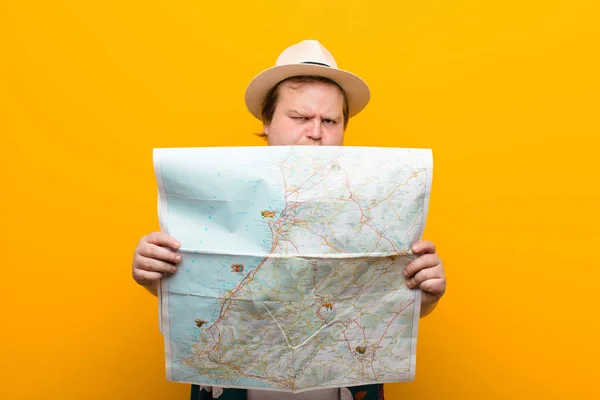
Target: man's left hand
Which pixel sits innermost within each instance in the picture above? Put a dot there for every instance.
(427, 273)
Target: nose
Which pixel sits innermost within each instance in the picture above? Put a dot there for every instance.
(316, 130)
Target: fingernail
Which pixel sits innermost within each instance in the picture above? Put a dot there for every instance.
(176, 243)
(174, 269)
(405, 273)
(178, 257)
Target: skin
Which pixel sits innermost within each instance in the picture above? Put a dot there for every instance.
(310, 114)
(307, 115)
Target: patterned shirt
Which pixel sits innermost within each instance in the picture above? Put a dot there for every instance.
(365, 392)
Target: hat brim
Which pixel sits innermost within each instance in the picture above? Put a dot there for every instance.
(356, 89)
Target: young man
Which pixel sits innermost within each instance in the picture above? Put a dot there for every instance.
(304, 100)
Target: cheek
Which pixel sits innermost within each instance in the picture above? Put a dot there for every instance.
(285, 132)
(335, 137)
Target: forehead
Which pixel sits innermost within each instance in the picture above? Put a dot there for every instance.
(315, 94)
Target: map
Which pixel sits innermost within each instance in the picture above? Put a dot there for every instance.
(292, 259)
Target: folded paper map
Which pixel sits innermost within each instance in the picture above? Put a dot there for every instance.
(292, 259)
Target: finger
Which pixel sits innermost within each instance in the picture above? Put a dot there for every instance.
(152, 264)
(162, 239)
(422, 276)
(146, 277)
(436, 286)
(423, 247)
(150, 250)
(425, 261)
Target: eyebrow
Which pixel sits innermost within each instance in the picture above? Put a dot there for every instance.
(298, 111)
(306, 113)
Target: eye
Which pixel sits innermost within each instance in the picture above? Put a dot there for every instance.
(300, 118)
(329, 121)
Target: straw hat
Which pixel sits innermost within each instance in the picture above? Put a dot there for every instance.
(308, 57)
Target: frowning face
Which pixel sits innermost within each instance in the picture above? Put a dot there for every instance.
(309, 114)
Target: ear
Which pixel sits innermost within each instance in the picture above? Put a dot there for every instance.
(266, 129)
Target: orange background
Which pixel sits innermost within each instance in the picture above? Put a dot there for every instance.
(505, 93)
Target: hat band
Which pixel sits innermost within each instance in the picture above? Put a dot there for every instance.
(315, 63)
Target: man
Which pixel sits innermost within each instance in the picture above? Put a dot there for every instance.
(303, 100)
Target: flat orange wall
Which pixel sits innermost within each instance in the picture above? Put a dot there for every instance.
(505, 93)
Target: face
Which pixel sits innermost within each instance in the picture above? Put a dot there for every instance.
(308, 114)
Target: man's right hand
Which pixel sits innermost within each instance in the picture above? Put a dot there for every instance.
(153, 258)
